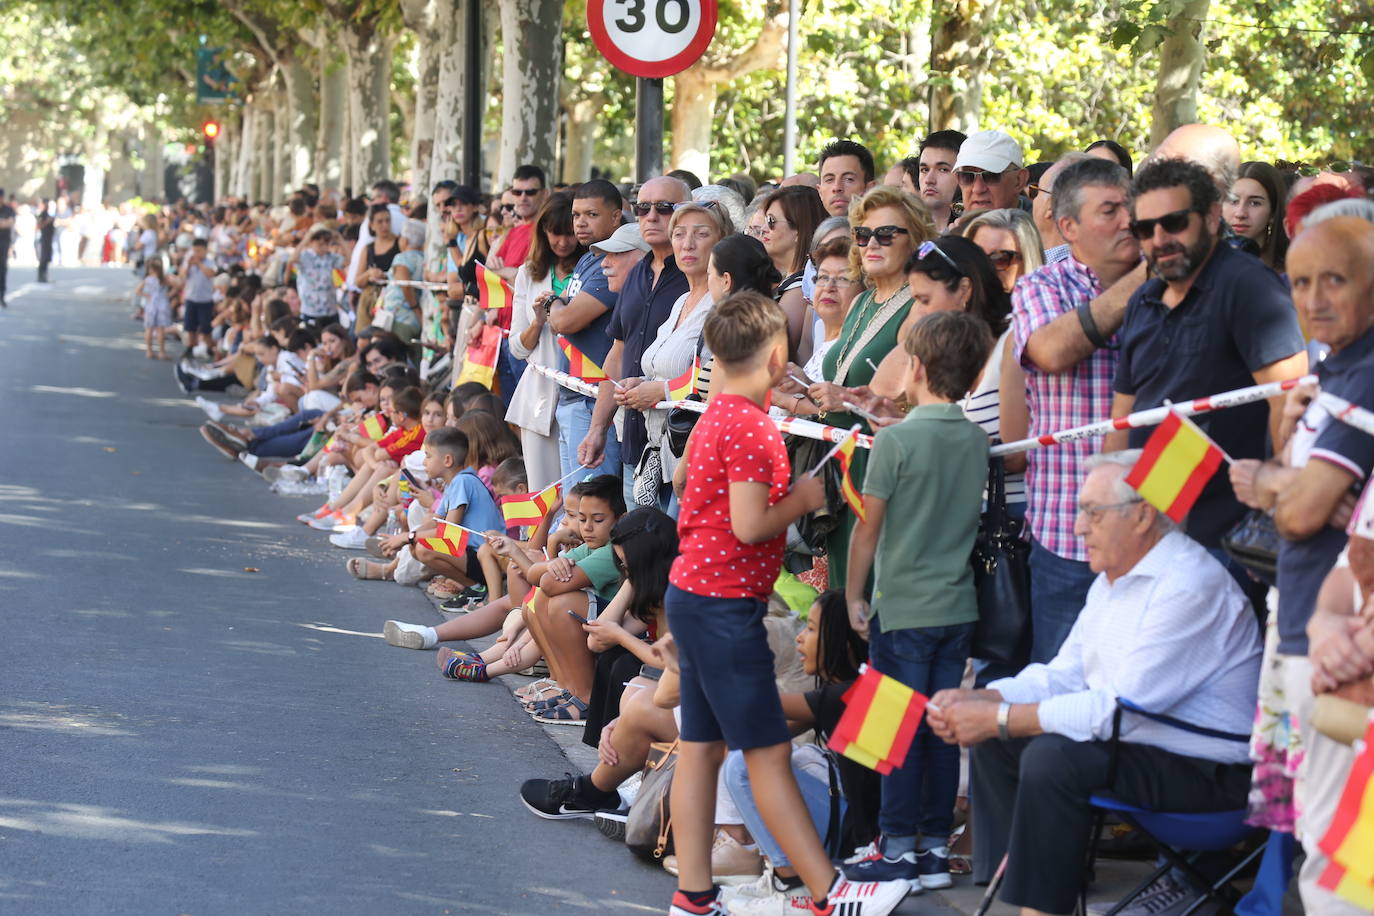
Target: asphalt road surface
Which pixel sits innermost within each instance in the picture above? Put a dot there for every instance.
(197, 713)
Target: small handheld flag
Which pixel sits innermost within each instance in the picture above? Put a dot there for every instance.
(880, 720)
(374, 427)
(338, 276)
(845, 453)
(685, 385)
(492, 290)
(448, 539)
(1349, 841)
(529, 508)
(579, 364)
(1177, 462)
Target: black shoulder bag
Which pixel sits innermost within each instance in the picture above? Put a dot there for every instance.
(1001, 576)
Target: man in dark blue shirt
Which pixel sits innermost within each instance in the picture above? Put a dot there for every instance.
(1211, 319)
(645, 301)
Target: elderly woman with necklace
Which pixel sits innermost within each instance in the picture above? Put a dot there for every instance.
(889, 224)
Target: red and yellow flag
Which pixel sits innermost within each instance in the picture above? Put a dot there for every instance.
(1178, 461)
(1349, 841)
(447, 539)
(529, 508)
(579, 364)
(374, 427)
(880, 720)
(851, 494)
(685, 385)
(493, 292)
(338, 277)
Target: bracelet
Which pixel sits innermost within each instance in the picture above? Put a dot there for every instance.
(1089, 325)
(1004, 721)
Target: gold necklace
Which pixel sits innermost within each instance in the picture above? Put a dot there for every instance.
(873, 307)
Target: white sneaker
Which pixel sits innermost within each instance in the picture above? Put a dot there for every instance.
(766, 897)
(300, 488)
(864, 852)
(211, 409)
(200, 352)
(866, 898)
(354, 538)
(407, 635)
(249, 459)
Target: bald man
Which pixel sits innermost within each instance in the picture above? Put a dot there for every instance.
(1218, 152)
(1331, 266)
(803, 179)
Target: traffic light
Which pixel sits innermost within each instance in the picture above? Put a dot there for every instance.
(210, 130)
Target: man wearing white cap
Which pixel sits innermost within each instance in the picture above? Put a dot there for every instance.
(624, 249)
(991, 171)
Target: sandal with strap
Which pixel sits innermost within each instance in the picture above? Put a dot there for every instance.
(535, 707)
(529, 691)
(359, 568)
(572, 712)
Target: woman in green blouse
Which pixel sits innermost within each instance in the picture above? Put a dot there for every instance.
(889, 224)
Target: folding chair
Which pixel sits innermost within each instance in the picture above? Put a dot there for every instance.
(1175, 833)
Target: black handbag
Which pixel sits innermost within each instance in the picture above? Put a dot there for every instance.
(681, 422)
(1001, 577)
(1254, 544)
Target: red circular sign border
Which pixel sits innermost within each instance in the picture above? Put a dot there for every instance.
(651, 69)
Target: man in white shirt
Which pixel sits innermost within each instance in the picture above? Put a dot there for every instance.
(1166, 627)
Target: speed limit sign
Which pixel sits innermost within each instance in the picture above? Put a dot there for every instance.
(652, 38)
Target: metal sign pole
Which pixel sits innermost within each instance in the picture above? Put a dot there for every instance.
(473, 106)
(789, 129)
(648, 129)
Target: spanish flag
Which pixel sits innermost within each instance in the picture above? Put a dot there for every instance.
(448, 539)
(338, 276)
(579, 364)
(1349, 841)
(529, 508)
(880, 720)
(492, 290)
(685, 385)
(851, 494)
(374, 427)
(1178, 461)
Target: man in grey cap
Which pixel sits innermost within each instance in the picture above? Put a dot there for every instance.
(624, 249)
(991, 171)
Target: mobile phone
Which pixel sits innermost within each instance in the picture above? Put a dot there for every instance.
(578, 617)
(405, 472)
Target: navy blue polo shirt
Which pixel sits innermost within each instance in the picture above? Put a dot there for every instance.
(589, 276)
(1303, 565)
(1237, 318)
(644, 305)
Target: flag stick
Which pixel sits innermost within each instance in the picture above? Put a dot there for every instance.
(872, 365)
(580, 467)
(859, 411)
(462, 528)
(854, 431)
(800, 381)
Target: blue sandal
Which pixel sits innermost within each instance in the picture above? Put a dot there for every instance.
(571, 712)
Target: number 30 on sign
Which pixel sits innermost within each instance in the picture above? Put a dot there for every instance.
(652, 38)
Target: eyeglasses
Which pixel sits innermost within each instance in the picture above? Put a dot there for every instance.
(661, 207)
(1034, 190)
(507, 208)
(1003, 258)
(836, 281)
(773, 222)
(929, 248)
(527, 192)
(968, 178)
(1094, 513)
(1172, 223)
(755, 231)
(884, 235)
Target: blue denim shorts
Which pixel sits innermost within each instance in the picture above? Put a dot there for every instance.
(728, 690)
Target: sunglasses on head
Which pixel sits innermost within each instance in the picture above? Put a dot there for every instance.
(883, 234)
(708, 204)
(661, 207)
(1034, 190)
(1172, 223)
(527, 192)
(968, 177)
(929, 248)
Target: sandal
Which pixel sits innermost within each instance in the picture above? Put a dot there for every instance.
(359, 568)
(443, 587)
(572, 712)
(535, 707)
(529, 690)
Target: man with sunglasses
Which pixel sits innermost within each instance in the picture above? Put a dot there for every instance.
(991, 171)
(1211, 319)
(646, 299)
(528, 192)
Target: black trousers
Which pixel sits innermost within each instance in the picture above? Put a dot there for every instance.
(1030, 797)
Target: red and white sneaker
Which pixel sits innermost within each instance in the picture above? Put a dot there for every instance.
(683, 907)
(306, 518)
(862, 898)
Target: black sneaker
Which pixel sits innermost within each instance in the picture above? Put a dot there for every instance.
(186, 380)
(932, 868)
(612, 823)
(569, 797)
(474, 593)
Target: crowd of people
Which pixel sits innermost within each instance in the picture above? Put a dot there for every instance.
(688, 555)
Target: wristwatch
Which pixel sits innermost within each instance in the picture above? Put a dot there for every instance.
(1004, 721)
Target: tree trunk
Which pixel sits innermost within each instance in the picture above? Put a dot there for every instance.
(579, 145)
(1180, 71)
(150, 180)
(282, 145)
(694, 112)
(302, 124)
(224, 158)
(243, 177)
(959, 47)
(266, 156)
(532, 64)
(369, 96)
(431, 52)
(329, 148)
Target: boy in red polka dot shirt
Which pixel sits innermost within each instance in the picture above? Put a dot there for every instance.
(736, 507)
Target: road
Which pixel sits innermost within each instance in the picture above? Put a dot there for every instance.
(197, 714)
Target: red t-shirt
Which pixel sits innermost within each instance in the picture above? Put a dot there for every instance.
(734, 442)
(515, 247)
(401, 442)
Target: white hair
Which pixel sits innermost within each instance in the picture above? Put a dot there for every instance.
(414, 233)
(725, 198)
(1121, 491)
(1360, 207)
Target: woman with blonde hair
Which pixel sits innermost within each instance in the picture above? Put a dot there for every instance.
(1010, 240)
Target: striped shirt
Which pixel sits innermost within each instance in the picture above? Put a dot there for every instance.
(982, 407)
(1175, 635)
(1059, 400)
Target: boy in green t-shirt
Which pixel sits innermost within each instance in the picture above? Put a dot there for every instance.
(926, 474)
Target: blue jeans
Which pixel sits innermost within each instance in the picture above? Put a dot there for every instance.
(284, 439)
(508, 370)
(574, 420)
(814, 792)
(627, 476)
(919, 796)
(1059, 589)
